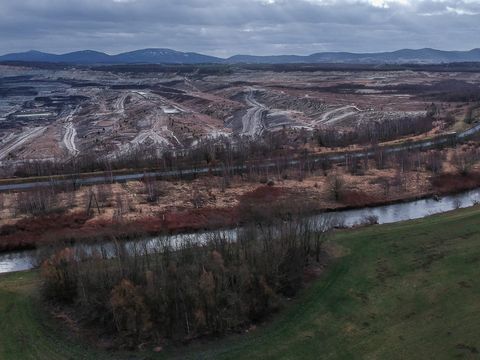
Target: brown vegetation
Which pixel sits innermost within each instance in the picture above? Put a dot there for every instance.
(58, 214)
(355, 198)
(31, 232)
(455, 182)
(184, 290)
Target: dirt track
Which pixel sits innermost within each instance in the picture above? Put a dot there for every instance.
(252, 121)
(327, 117)
(20, 140)
(70, 135)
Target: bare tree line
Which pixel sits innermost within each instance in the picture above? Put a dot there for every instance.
(224, 152)
(151, 290)
(61, 196)
(374, 132)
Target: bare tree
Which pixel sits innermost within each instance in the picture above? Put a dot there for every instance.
(434, 161)
(336, 185)
(120, 207)
(198, 199)
(463, 161)
(152, 189)
(38, 201)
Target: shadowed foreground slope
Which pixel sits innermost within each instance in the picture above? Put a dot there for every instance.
(408, 290)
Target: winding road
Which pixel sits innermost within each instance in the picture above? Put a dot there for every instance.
(70, 135)
(151, 134)
(119, 104)
(327, 117)
(21, 139)
(268, 164)
(252, 121)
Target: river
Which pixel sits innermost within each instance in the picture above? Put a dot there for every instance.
(386, 214)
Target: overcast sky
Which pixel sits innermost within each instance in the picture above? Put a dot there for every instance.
(227, 27)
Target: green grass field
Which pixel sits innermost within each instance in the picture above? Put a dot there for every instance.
(403, 291)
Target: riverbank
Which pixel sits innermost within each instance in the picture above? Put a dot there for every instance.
(309, 196)
(217, 208)
(406, 290)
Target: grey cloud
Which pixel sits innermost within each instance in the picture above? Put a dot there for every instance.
(225, 27)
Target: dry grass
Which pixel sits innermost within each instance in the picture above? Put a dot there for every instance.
(204, 203)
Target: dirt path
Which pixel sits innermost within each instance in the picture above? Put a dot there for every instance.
(252, 121)
(189, 83)
(70, 134)
(167, 130)
(21, 139)
(327, 117)
(119, 104)
(159, 133)
(151, 134)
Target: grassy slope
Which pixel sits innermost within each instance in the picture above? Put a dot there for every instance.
(27, 334)
(403, 291)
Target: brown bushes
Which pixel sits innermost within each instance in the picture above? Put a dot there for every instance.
(47, 229)
(199, 219)
(60, 277)
(451, 183)
(184, 288)
(356, 198)
(263, 194)
(266, 203)
(39, 201)
(130, 313)
(27, 233)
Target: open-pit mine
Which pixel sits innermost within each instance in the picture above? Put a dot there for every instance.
(63, 112)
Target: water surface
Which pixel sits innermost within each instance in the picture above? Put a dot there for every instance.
(386, 214)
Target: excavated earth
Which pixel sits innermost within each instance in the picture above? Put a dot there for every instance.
(60, 113)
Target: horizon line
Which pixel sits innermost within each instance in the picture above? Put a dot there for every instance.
(237, 54)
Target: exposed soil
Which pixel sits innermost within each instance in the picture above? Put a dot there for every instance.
(124, 212)
(73, 112)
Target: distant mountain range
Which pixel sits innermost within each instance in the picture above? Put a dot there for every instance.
(168, 56)
(146, 56)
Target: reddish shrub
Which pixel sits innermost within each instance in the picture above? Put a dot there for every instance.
(450, 183)
(267, 203)
(197, 219)
(263, 194)
(26, 233)
(358, 198)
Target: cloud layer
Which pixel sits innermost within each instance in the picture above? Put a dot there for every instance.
(226, 27)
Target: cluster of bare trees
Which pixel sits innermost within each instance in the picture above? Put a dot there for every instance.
(402, 164)
(374, 132)
(223, 155)
(465, 159)
(38, 201)
(152, 189)
(182, 288)
(469, 115)
(229, 161)
(336, 185)
(58, 198)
